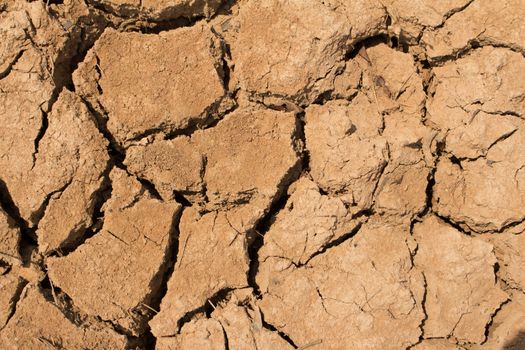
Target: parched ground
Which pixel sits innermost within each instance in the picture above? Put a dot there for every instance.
(262, 174)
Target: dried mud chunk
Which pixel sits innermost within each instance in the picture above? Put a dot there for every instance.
(462, 293)
(364, 292)
(28, 26)
(13, 26)
(212, 257)
(479, 99)
(401, 192)
(68, 172)
(474, 139)
(410, 18)
(161, 10)
(250, 154)
(38, 324)
(10, 283)
(65, 176)
(506, 331)
(114, 274)
(347, 155)
(485, 194)
(171, 165)
(242, 323)
(348, 83)
(483, 81)
(510, 251)
(197, 334)
(313, 38)
(181, 61)
(10, 288)
(230, 160)
(9, 240)
(27, 89)
(236, 322)
(308, 222)
(22, 93)
(498, 23)
(392, 81)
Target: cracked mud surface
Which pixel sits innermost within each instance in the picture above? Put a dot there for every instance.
(262, 174)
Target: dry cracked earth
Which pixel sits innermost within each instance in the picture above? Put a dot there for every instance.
(262, 174)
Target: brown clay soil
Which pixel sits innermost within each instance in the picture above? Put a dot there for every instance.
(262, 174)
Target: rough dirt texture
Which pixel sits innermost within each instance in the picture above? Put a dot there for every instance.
(262, 174)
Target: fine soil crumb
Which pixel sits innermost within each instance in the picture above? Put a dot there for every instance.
(262, 174)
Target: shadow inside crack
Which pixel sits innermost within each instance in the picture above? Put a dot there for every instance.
(516, 343)
(28, 240)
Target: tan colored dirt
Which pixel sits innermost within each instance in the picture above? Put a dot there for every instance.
(262, 174)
